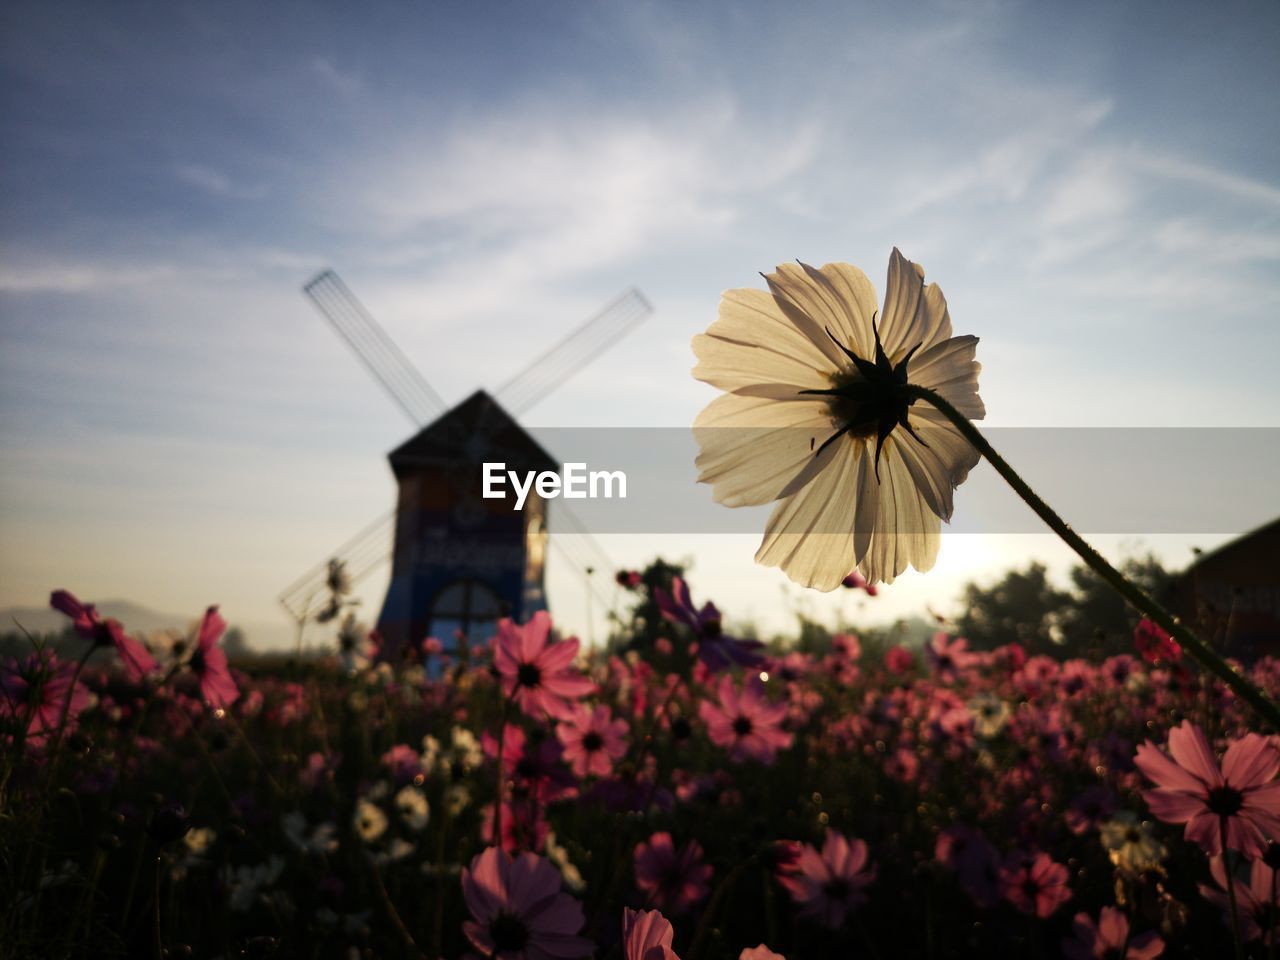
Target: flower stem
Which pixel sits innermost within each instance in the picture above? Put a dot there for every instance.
(1231, 888)
(1206, 657)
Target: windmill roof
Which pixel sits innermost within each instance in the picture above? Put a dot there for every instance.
(477, 430)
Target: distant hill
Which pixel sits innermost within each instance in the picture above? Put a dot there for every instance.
(136, 618)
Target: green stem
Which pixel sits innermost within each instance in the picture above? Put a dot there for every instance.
(1144, 604)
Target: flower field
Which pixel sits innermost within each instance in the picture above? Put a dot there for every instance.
(683, 794)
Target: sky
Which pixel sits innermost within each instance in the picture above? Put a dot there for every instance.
(1095, 187)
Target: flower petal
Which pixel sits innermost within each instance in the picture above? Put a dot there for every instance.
(913, 313)
(753, 342)
(809, 533)
(1250, 761)
(1190, 748)
(752, 448)
(900, 528)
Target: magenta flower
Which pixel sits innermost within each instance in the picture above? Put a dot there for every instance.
(524, 824)
(761, 952)
(968, 852)
(716, 650)
(592, 740)
(628, 579)
(209, 662)
(647, 935)
(948, 656)
(534, 767)
(1108, 939)
(1154, 645)
(1255, 900)
(1238, 802)
(827, 885)
(672, 880)
(856, 581)
(899, 659)
(1035, 884)
(744, 722)
(44, 694)
(520, 912)
(537, 674)
(87, 622)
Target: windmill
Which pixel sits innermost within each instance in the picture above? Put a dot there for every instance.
(458, 563)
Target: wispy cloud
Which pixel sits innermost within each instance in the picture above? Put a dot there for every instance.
(345, 83)
(213, 181)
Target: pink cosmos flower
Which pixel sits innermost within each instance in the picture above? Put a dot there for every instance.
(533, 765)
(672, 880)
(1255, 900)
(1108, 938)
(647, 935)
(968, 852)
(520, 912)
(1090, 807)
(744, 722)
(1238, 801)
(1154, 645)
(899, 659)
(1035, 884)
(948, 655)
(827, 885)
(716, 650)
(524, 824)
(104, 633)
(403, 761)
(628, 579)
(537, 674)
(856, 581)
(592, 740)
(44, 694)
(209, 662)
(846, 645)
(760, 953)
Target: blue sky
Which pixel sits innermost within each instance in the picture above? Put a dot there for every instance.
(1095, 186)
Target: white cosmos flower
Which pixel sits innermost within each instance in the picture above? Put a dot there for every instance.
(814, 416)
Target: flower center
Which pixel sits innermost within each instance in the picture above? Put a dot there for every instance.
(527, 768)
(742, 726)
(529, 675)
(870, 398)
(836, 888)
(508, 932)
(1225, 801)
(592, 742)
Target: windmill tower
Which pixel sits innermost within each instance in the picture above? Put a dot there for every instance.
(459, 562)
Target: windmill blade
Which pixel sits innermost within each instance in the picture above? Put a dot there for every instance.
(376, 350)
(361, 555)
(574, 352)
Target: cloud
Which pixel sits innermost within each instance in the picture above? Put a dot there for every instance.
(1172, 167)
(217, 183)
(57, 276)
(346, 84)
(535, 197)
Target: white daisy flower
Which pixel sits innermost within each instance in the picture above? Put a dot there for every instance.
(369, 820)
(413, 807)
(818, 415)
